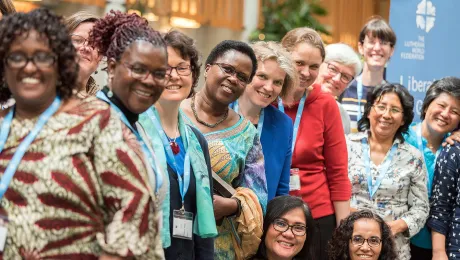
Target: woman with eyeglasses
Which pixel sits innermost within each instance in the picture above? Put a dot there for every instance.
(362, 235)
(80, 25)
(73, 183)
(234, 148)
(387, 174)
(289, 231)
(319, 152)
(275, 75)
(440, 116)
(183, 153)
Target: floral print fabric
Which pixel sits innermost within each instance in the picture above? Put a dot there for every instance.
(402, 193)
(81, 189)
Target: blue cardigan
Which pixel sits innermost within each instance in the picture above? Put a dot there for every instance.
(276, 143)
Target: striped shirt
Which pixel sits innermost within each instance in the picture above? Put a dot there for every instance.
(349, 101)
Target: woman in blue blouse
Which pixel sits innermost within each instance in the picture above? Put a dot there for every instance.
(440, 116)
(275, 74)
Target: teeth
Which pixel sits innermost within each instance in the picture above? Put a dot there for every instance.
(385, 123)
(30, 80)
(286, 244)
(143, 93)
(264, 95)
(364, 256)
(175, 87)
(441, 122)
(227, 89)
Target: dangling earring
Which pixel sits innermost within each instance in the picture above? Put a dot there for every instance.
(110, 94)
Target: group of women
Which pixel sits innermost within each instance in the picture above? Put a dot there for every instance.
(149, 167)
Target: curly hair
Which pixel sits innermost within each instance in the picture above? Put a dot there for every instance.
(228, 45)
(303, 35)
(407, 103)
(115, 32)
(49, 25)
(187, 50)
(338, 247)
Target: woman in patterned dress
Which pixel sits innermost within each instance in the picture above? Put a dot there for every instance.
(79, 187)
(388, 175)
(234, 148)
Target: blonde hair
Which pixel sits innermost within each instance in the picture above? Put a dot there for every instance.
(73, 21)
(274, 51)
(303, 35)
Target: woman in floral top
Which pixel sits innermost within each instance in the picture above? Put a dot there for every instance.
(387, 174)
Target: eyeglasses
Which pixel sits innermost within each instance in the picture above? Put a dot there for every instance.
(78, 41)
(41, 60)
(372, 241)
(228, 69)
(344, 77)
(181, 70)
(371, 43)
(382, 109)
(141, 73)
(282, 226)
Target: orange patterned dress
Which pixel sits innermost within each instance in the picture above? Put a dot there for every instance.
(81, 189)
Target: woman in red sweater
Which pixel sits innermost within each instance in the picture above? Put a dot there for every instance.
(319, 155)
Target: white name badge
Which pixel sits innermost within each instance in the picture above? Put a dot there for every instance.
(183, 224)
(3, 231)
(294, 180)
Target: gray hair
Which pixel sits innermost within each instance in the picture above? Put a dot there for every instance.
(274, 51)
(344, 54)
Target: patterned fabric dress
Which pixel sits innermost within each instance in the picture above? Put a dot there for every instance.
(237, 157)
(402, 193)
(80, 190)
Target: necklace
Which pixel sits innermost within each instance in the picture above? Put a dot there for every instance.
(174, 146)
(192, 105)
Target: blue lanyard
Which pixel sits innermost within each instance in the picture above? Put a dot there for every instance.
(145, 149)
(183, 184)
(421, 148)
(385, 166)
(297, 117)
(359, 88)
(22, 148)
(260, 124)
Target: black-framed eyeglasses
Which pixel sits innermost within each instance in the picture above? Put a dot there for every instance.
(41, 60)
(282, 226)
(344, 77)
(181, 70)
(141, 73)
(78, 40)
(372, 241)
(231, 71)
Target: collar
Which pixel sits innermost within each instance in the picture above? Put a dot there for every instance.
(360, 135)
(132, 117)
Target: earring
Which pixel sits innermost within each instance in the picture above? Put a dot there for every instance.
(110, 94)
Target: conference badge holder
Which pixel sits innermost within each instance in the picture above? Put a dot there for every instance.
(182, 224)
(3, 231)
(294, 180)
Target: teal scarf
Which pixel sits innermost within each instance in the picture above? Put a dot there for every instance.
(204, 224)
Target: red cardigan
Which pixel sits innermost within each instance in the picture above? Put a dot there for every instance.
(320, 153)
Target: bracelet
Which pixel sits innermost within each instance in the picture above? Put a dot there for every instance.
(238, 212)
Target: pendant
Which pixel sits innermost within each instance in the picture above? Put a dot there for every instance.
(174, 147)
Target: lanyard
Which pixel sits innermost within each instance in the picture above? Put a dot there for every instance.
(183, 184)
(383, 170)
(421, 148)
(359, 88)
(297, 117)
(260, 124)
(145, 149)
(22, 148)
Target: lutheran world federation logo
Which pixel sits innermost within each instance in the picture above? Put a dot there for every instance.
(426, 15)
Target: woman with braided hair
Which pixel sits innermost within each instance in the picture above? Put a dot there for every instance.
(73, 181)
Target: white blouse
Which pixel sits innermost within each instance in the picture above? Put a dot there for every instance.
(402, 193)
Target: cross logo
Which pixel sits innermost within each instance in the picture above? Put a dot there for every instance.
(426, 13)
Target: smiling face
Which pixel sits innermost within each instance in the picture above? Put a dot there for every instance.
(138, 95)
(285, 245)
(365, 228)
(330, 82)
(223, 87)
(386, 124)
(88, 57)
(307, 59)
(31, 85)
(376, 52)
(266, 84)
(179, 86)
(443, 114)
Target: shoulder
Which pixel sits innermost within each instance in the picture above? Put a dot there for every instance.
(410, 150)
(277, 115)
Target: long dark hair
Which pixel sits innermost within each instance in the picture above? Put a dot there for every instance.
(338, 247)
(276, 208)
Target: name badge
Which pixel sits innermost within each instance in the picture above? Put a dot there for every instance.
(182, 224)
(294, 180)
(3, 231)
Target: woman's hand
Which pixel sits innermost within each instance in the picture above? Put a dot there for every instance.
(439, 255)
(455, 136)
(224, 207)
(397, 226)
